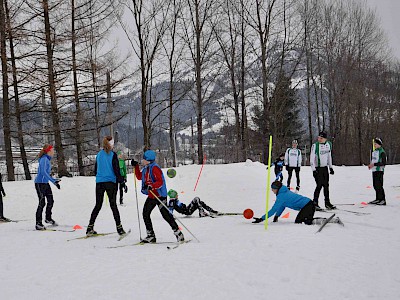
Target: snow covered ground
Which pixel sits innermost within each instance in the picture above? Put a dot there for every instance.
(234, 259)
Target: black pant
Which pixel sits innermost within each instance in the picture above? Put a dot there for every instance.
(1, 205)
(290, 171)
(148, 207)
(322, 180)
(188, 210)
(306, 214)
(43, 191)
(377, 179)
(278, 174)
(111, 189)
(121, 193)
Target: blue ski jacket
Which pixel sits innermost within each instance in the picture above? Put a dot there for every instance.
(107, 167)
(286, 198)
(43, 175)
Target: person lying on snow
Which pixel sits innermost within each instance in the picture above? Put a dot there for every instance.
(196, 203)
(286, 198)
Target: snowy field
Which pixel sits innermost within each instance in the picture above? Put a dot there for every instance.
(235, 259)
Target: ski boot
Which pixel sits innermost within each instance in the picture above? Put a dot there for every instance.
(179, 236)
(4, 219)
(374, 202)
(317, 207)
(150, 238)
(90, 231)
(329, 205)
(120, 230)
(297, 189)
(51, 222)
(202, 212)
(40, 226)
(381, 202)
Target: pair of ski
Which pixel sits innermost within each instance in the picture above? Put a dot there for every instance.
(12, 221)
(172, 245)
(325, 222)
(357, 213)
(121, 237)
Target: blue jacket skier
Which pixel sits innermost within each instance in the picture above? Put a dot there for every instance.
(43, 188)
(287, 199)
(107, 178)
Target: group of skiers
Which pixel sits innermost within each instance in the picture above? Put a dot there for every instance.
(321, 165)
(110, 170)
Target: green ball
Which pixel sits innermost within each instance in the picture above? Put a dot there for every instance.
(171, 173)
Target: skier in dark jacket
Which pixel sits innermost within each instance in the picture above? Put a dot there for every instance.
(43, 188)
(287, 199)
(153, 185)
(377, 166)
(279, 163)
(196, 203)
(107, 178)
(2, 194)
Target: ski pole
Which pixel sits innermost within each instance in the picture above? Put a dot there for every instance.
(137, 204)
(175, 218)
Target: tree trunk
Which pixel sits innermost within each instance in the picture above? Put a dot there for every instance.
(16, 95)
(6, 104)
(78, 115)
(199, 89)
(62, 168)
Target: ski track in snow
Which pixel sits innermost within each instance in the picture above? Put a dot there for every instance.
(234, 259)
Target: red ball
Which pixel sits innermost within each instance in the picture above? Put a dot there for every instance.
(248, 213)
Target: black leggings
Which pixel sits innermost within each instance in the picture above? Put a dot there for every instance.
(377, 179)
(111, 189)
(306, 214)
(1, 206)
(290, 172)
(148, 207)
(44, 192)
(322, 181)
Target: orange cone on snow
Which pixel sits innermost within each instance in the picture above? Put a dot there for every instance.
(77, 227)
(286, 216)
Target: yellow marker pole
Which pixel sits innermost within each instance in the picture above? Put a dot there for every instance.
(268, 181)
(373, 145)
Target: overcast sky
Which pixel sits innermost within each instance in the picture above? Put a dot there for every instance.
(388, 11)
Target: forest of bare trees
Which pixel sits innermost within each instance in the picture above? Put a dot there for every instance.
(197, 79)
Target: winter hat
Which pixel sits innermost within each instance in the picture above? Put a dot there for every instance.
(172, 194)
(149, 155)
(323, 134)
(378, 141)
(295, 142)
(276, 185)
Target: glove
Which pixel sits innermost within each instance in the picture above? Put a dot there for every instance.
(125, 180)
(149, 187)
(134, 163)
(125, 189)
(315, 173)
(276, 218)
(257, 220)
(331, 171)
(57, 184)
(287, 168)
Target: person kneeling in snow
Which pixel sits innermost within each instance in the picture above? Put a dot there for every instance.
(196, 203)
(286, 198)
